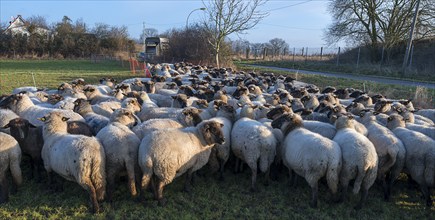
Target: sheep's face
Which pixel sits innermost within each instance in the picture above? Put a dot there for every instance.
(229, 111)
(367, 115)
(212, 132)
(287, 122)
(19, 127)
(191, 116)
(8, 101)
(149, 87)
(201, 103)
(63, 87)
(382, 106)
(89, 90)
(395, 121)
(179, 101)
(132, 104)
(125, 117)
(80, 105)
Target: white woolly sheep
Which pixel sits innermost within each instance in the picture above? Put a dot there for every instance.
(309, 154)
(95, 121)
(389, 148)
(10, 158)
(428, 113)
(168, 153)
(95, 96)
(420, 154)
(23, 106)
(6, 116)
(253, 143)
(76, 158)
(121, 146)
(360, 161)
(188, 117)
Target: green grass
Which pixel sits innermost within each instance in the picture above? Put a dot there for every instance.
(50, 73)
(214, 199)
(210, 198)
(371, 70)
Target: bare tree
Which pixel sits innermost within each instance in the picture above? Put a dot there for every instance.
(149, 32)
(278, 46)
(224, 17)
(375, 22)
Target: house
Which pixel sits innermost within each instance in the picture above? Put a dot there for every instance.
(19, 26)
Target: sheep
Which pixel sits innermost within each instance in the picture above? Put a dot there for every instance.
(10, 158)
(253, 143)
(106, 108)
(163, 112)
(415, 119)
(120, 146)
(188, 117)
(168, 153)
(428, 113)
(310, 102)
(360, 161)
(426, 130)
(30, 141)
(95, 121)
(76, 158)
(132, 104)
(420, 154)
(6, 116)
(221, 152)
(95, 96)
(389, 148)
(309, 154)
(23, 106)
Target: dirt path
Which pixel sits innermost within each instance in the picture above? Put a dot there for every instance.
(354, 77)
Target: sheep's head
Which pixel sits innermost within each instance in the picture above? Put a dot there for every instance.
(278, 111)
(211, 132)
(179, 101)
(200, 103)
(191, 116)
(132, 104)
(19, 127)
(287, 122)
(149, 86)
(344, 121)
(54, 122)
(125, 117)
(227, 111)
(395, 121)
(89, 90)
(81, 105)
(382, 105)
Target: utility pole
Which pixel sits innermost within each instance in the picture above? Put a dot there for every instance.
(411, 36)
(144, 47)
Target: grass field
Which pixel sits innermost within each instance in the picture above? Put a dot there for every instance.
(210, 198)
(50, 73)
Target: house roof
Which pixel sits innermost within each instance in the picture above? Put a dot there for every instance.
(18, 25)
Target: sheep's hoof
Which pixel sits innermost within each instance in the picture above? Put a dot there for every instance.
(162, 202)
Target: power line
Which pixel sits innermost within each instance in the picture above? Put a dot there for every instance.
(288, 6)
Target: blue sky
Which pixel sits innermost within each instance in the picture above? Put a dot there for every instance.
(299, 23)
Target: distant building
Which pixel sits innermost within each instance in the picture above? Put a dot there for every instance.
(19, 26)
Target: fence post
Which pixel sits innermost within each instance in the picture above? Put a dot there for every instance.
(338, 56)
(357, 60)
(321, 53)
(294, 53)
(33, 77)
(306, 55)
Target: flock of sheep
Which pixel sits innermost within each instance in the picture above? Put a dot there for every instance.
(153, 130)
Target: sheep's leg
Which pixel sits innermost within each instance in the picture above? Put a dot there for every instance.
(290, 176)
(221, 168)
(236, 167)
(314, 194)
(146, 179)
(160, 184)
(93, 196)
(188, 181)
(110, 185)
(295, 180)
(254, 179)
(267, 177)
(131, 179)
(344, 186)
(426, 193)
(387, 187)
(363, 199)
(4, 189)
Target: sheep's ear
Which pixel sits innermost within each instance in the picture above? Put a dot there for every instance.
(65, 119)
(389, 119)
(174, 97)
(32, 126)
(42, 119)
(350, 117)
(221, 125)
(7, 126)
